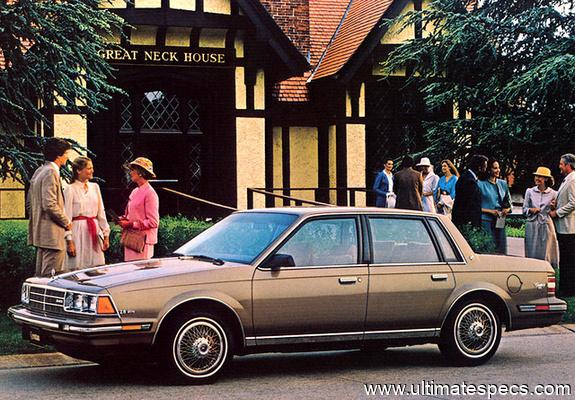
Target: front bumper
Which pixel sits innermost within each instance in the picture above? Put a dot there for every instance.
(91, 340)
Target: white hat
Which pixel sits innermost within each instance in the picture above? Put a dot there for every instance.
(424, 162)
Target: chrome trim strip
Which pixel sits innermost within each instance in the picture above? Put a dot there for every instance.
(198, 298)
(342, 336)
(43, 324)
(408, 264)
(558, 307)
(67, 327)
(308, 336)
(404, 331)
(59, 289)
(87, 329)
(533, 307)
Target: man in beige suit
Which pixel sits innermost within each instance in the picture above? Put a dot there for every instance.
(564, 218)
(45, 205)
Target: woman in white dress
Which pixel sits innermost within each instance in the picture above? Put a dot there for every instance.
(540, 237)
(90, 233)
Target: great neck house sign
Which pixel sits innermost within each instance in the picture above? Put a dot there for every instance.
(168, 56)
(226, 95)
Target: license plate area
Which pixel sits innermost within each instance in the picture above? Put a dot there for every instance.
(34, 336)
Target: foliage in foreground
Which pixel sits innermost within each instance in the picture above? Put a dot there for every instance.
(51, 51)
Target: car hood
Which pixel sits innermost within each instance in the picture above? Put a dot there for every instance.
(107, 276)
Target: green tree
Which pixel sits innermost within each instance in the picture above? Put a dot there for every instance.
(50, 59)
(510, 63)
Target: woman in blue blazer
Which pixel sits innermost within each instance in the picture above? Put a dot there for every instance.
(383, 185)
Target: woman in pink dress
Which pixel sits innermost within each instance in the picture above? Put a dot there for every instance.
(142, 211)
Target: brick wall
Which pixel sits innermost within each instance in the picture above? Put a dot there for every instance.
(292, 16)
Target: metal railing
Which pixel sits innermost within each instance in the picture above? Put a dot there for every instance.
(199, 199)
(345, 196)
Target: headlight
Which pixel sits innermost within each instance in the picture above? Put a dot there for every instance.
(25, 296)
(79, 302)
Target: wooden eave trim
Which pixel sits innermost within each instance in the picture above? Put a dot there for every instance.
(181, 18)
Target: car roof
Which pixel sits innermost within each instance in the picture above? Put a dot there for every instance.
(337, 210)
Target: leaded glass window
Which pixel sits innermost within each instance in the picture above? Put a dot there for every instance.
(160, 112)
(126, 115)
(193, 116)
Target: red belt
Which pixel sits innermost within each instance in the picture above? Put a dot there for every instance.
(92, 228)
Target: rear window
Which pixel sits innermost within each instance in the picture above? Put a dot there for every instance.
(401, 241)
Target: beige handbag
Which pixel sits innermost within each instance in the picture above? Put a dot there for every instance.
(134, 240)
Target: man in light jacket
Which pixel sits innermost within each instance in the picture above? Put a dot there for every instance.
(45, 206)
(564, 218)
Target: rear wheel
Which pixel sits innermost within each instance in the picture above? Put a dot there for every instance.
(471, 334)
(197, 347)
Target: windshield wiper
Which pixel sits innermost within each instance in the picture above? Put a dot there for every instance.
(201, 257)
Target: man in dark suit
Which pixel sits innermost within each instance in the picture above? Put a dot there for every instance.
(408, 186)
(467, 203)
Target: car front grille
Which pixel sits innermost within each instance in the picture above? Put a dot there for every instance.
(49, 302)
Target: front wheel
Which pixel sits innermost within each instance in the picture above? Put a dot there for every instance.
(471, 334)
(197, 347)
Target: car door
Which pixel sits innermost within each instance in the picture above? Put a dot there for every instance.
(324, 296)
(409, 278)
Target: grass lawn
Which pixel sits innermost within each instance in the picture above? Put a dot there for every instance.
(11, 341)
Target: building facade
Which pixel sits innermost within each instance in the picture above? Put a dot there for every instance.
(225, 95)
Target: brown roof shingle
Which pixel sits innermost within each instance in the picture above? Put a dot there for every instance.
(362, 16)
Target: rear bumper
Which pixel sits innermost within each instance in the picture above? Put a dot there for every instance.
(532, 316)
(83, 339)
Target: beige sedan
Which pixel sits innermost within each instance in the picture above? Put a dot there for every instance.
(293, 279)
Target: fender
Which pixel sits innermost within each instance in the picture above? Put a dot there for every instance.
(242, 315)
(476, 287)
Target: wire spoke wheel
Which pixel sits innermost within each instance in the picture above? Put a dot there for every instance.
(471, 334)
(200, 348)
(475, 330)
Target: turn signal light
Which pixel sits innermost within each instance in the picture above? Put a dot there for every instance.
(551, 285)
(105, 306)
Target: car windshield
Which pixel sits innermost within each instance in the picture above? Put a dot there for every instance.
(238, 238)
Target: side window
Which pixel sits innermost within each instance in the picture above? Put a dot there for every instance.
(324, 242)
(401, 240)
(444, 242)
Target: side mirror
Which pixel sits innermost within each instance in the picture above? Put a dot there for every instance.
(278, 261)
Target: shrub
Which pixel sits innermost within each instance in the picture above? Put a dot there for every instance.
(18, 260)
(479, 240)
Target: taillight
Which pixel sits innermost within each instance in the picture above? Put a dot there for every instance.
(550, 285)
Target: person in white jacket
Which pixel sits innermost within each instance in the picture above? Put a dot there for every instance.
(564, 218)
(430, 181)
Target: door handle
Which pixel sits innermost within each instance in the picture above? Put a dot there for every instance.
(348, 280)
(439, 277)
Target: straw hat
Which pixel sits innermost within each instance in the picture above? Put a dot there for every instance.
(546, 173)
(424, 162)
(145, 164)
(543, 171)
